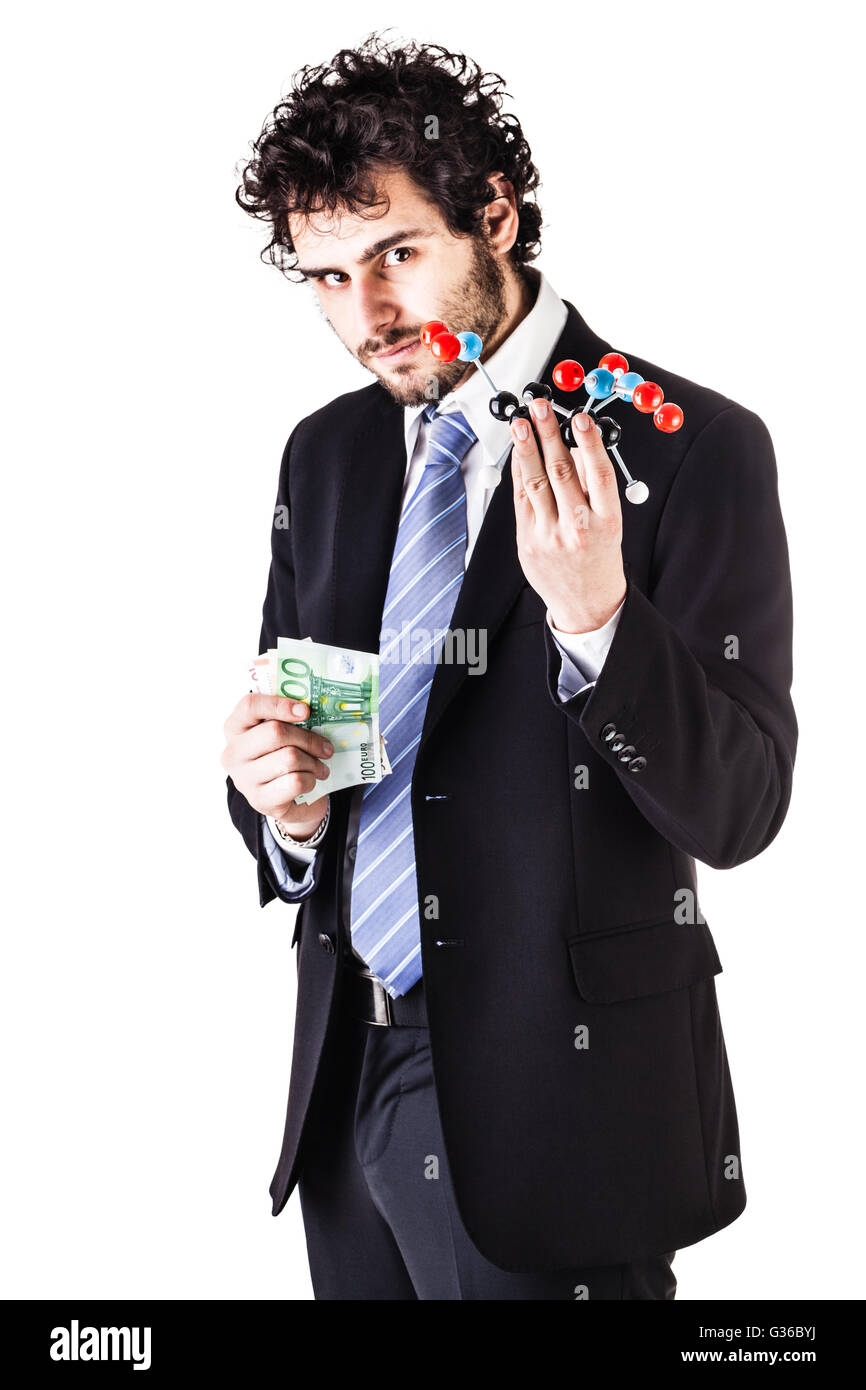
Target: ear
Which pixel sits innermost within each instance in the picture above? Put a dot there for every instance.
(501, 214)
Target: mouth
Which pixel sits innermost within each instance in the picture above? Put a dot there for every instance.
(398, 353)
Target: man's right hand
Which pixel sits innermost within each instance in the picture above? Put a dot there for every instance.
(271, 760)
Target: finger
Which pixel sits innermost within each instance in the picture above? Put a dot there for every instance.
(561, 468)
(277, 796)
(522, 505)
(286, 762)
(599, 472)
(533, 473)
(272, 734)
(581, 471)
(255, 707)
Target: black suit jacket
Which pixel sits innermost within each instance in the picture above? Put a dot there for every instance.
(560, 906)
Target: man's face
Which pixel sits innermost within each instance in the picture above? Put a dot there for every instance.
(379, 278)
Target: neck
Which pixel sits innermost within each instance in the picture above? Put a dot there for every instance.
(521, 292)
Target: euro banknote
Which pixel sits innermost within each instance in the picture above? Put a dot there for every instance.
(341, 687)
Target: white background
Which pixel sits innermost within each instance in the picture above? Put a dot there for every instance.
(154, 367)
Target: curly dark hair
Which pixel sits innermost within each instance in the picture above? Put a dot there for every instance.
(369, 108)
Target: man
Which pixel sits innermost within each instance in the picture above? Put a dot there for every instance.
(509, 1079)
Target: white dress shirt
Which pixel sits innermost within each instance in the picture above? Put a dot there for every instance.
(521, 358)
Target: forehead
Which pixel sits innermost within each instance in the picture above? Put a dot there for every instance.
(403, 204)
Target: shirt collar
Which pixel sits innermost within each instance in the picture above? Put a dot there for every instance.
(521, 358)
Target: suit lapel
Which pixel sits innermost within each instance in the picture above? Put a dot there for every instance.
(365, 525)
(368, 515)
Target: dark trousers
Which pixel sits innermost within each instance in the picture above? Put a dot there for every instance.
(376, 1196)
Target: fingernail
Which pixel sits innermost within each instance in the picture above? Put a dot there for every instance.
(583, 421)
(328, 747)
(299, 709)
(541, 408)
(521, 429)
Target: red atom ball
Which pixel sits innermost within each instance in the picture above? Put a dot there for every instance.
(647, 397)
(614, 362)
(668, 418)
(568, 374)
(431, 330)
(446, 347)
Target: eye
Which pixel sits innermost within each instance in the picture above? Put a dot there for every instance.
(404, 252)
(341, 279)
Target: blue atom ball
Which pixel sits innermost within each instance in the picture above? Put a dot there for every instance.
(627, 382)
(471, 348)
(599, 383)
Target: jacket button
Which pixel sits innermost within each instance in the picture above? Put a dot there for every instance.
(352, 851)
(617, 743)
(608, 732)
(326, 943)
(627, 753)
(637, 765)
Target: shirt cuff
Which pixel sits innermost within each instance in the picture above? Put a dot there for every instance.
(583, 654)
(292, 869)
(305, 848)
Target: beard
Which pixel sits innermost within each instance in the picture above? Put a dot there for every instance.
(478, 305)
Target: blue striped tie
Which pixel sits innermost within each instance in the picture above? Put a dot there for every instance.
(426, 574)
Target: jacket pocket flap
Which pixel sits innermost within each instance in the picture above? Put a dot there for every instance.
(642, 958)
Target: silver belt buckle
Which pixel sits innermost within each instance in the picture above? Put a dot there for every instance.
(381, 1003)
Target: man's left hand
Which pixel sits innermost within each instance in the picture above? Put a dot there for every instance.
(569, 520)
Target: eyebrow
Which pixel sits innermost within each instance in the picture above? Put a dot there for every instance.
(369, 254)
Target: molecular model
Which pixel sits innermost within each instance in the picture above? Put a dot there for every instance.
(610, 381)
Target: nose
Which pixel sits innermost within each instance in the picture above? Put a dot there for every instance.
(375, 310)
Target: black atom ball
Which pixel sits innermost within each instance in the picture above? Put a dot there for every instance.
(536, 390)
(611, 430)
(503, 405)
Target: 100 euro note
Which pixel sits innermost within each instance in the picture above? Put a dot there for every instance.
(341, 687)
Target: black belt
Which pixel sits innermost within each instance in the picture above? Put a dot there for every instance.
(364, 997)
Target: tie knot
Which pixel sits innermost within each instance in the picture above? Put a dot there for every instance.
(449, 437)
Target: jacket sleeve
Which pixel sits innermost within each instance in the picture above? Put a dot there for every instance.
(692, 708)
(279, 619)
